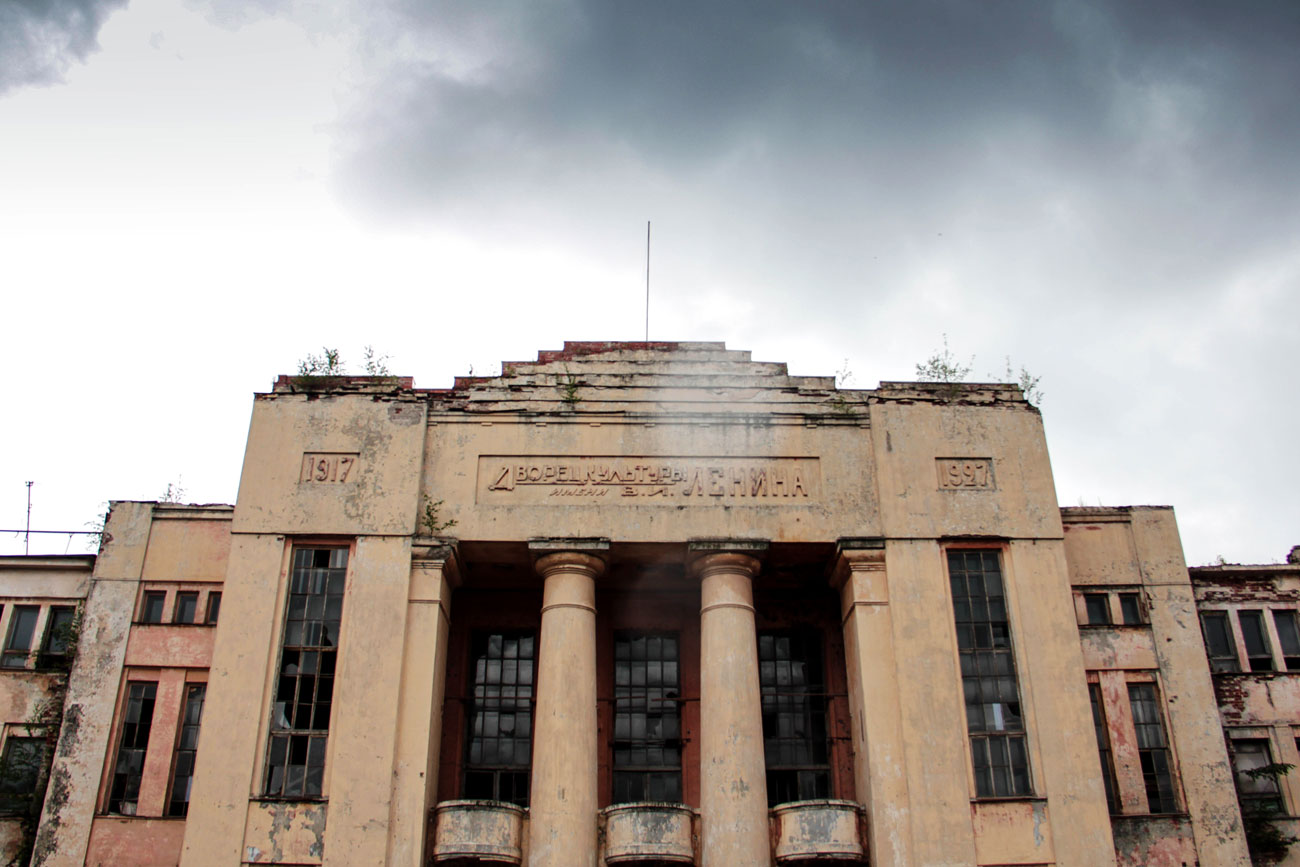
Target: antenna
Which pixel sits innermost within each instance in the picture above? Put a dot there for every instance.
(27, 535)
(647, 281)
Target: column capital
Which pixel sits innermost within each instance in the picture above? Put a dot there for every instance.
(586, 556)
(442, 557)
(710, 556)
(854, 554)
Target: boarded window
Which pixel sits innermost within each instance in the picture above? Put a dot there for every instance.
(647, 718)
(988, 667)
(304, 691)
(498, 748)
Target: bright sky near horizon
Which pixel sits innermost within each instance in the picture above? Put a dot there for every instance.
(194, 194)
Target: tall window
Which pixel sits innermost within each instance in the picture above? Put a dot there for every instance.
(647, 719)
(1153, 747)
(187, 743)
(20, 774)
(137, 722)
(22, 628)
(501, 717)
(1256, 640)
(1103, 746)
(1288, 635)
(304, 692)
(1218, 641)
(988, 669)
(796, 738)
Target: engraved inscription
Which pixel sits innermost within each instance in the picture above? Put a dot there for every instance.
(965, 473)
(327, 468)
(648, 480)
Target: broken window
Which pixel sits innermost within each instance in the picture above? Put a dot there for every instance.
(1153, 747)
(796, 737)
(59, 628)
(1103, 746)
(1130, 607)
(22, 628)
(1257, 788)
(186, 745)
(304, 692)
(1098, 607)
(647, 718)
(1253, 636)
(152, 609)
(20, 774)
(1288, 635)
(187, 605)
(137, 721)
(498, 749)
(1219, 645)
(988, 667)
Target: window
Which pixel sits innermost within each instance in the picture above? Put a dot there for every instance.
(1098, 607)
(1289, 637)
(1153, 748)
(988, 668)
(796, 739)
(20, 774)
(647, 719)
(187, 605)
(214, 608)
(300, 718)
(1258, 652)
(1218, 642)
(59, 629)
(132, 744)
(500, 719)
(1258, 792)
(1103, 746)
(1130, 607)
(22, 628)
(186, 744)
(152, 609)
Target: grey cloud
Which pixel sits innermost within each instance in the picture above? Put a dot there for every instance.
(40, 39)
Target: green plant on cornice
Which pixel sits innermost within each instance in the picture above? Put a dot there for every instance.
(568, 386)
(430, 520)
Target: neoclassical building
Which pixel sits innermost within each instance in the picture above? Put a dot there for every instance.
(629, 603)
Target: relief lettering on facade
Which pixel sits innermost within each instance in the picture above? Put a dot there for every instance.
(647, 480)
(327, 468)
(965, 473)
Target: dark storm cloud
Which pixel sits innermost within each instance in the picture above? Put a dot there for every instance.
(1160, 134)
(40, 39)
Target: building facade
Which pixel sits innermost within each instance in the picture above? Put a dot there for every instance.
(646, 603)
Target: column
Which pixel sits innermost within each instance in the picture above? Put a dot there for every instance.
(562, 797)
(733, 774)
(434, 572)
(879, 765)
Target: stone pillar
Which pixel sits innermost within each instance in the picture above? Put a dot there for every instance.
(562, 797)
(879, 765)
(434, 572)
(733, 774)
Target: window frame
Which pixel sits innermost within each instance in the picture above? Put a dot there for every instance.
(627, 702)
(182, 753)
(19, 658)
(1091, 599)
(1262, 803)
(1005, 736)
(1221, 663)
(132, 679)
(11, 803)
(1149, 755)
(317, 745)
(498, 772)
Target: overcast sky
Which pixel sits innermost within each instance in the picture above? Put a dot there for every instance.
(196, 193)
